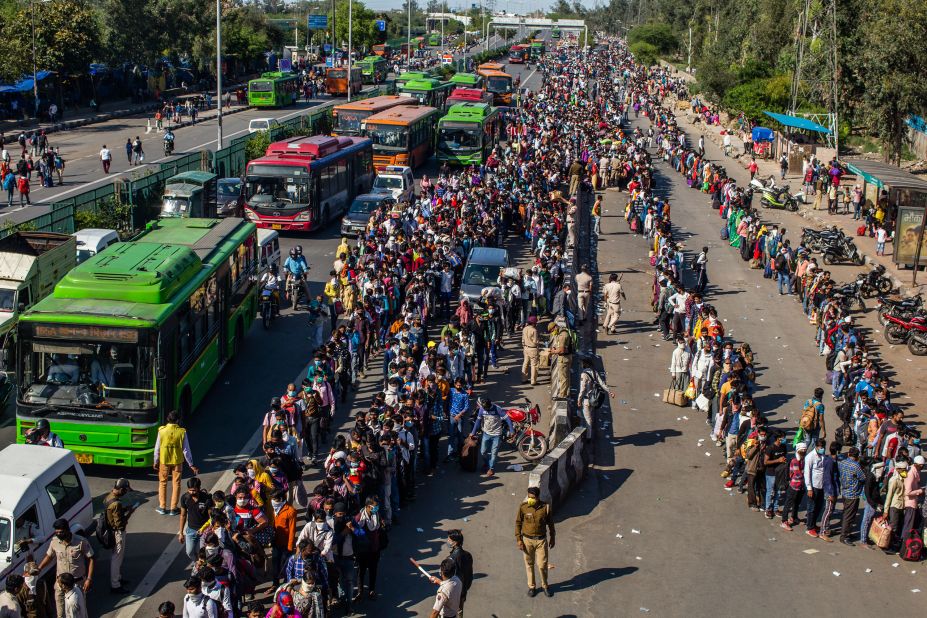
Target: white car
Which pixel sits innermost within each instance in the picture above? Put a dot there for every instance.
(396, 180)
(262, 124)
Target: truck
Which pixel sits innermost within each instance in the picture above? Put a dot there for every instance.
(190, 194)
(31, 263)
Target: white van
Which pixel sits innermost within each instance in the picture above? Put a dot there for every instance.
(38, 484)
(262, 124)
(269, 244)
(91, 241)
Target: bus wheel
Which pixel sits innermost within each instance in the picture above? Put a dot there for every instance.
(185, 410)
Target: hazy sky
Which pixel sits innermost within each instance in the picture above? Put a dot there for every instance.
(508, 5)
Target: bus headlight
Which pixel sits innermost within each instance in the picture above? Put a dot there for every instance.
(305, 215)
(139, 436)
(250, 215)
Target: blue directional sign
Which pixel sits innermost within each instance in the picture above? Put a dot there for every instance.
(285, 64)
(318, 22)
(381, 25)
(330, 61)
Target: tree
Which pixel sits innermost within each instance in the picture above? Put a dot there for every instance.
(364, 30)
(659, 36)
(645, 53)
(67, 38)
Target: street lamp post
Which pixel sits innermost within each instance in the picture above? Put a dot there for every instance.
(409, 37)
(350, 43)
(219, 73)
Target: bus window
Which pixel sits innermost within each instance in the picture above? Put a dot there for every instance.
(388, 135)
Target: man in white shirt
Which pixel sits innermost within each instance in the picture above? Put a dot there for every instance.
(75, 605)
(106, 157)
(447, 601)
(195, 603)
(613, 295)
(814, 482)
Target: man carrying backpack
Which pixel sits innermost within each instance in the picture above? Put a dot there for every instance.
(811, 423)
(592, 390)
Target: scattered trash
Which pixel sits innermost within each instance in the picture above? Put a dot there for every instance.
(913, 572)
(466, 519)
(707, 454)
(625, 347)
(836, 574)
(657, 345)
(633, 531)
(685, 418)
(869, 570)
(915, 590)
(773, 539)
(895, 565)
(634, 409)
(810, 551)
(623, 402)
(645, 610)
(625, 359)
(656, 394)
(678, 418)
(420, 530)
(619, 536)
(638, 558)
(516, 467)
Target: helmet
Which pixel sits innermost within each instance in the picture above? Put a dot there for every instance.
(42, 425)
(299, 249)
(275, 403)
(484, 402)
(292, 253)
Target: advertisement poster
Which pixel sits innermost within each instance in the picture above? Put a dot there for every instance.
(907, 231)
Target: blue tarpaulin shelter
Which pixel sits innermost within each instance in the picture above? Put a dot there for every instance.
(762, 134)
(25, 84)
(796, 122)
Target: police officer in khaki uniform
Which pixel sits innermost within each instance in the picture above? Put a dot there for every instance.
(561, 353)
(71, 554)
(117, 515)
(584, 291)
(533, 522)
(613, 295)
(532, 355)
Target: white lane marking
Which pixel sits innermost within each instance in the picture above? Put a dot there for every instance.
(159, 569)
(90, 183)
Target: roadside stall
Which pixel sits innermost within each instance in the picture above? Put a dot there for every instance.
(797, 138)
(762, 142)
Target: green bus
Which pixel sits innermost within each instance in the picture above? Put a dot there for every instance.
(537, 49)
(408, 76)
(434, 39)
(467, 80)
(555, 32)
(431, 92)
(134, 332)
(273, 89)
(373, 68)
(468, 133)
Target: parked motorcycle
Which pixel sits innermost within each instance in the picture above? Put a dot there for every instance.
(773, 196)
(876, 282)
(530, 443)
(899, 307)
(917, 343)
(851, 296)
(815, 240)
(899, 330)
(842, 251)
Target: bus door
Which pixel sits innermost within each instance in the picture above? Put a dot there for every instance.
(223, 282)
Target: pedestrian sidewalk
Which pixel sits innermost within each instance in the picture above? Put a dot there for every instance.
(901, 277)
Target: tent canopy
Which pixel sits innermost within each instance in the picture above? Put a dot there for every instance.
(762, 134)
(797, 122)
(25, 84)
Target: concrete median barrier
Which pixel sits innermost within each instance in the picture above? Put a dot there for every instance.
(562, 469)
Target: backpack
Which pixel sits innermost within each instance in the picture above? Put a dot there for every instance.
(572, 341)
(105, 534)
(830, 359)
(595, 394)
(913, 547)
(845, 436)
(809, 417)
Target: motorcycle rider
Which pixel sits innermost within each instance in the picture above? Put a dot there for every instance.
(168, 141)
(493, 420)
(297, 267)
(42, 435)
(270, 280)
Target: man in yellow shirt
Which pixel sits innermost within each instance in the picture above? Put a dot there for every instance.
(171, 450)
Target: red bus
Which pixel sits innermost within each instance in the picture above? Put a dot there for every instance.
(468, 95)
(302, 183)
(519, 54)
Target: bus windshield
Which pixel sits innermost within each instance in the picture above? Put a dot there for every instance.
(350, 121)
(459, 138)
(8, 300)
(261, 86)
(499, 84)
(338, 73)
(174, 206)
(284, 192)
(388, 136)
(72, 373)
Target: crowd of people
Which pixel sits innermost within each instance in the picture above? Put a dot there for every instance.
(30, 153)
(872, 456)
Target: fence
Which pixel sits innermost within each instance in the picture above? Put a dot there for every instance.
(143, 193)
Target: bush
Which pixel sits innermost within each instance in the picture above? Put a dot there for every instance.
(257, 145)
(107, 214)
(759, 95)
(660, 36)
(645, 53)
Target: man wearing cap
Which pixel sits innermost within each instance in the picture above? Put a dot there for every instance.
(117, 516)
(532, 524)
(532, 356)
(584, 291)
(796, 486)
(913, 496)
(171, 450)
(561, 352)
(35, 597)
(613, 296)
(72, 556)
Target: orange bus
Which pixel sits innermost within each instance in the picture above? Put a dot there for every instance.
(499, 83)
(489, 66)
(347, 117)
(468, 95)
(402, 135)
(383, 49)
(336, 81)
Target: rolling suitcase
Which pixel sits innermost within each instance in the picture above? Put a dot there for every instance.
(469, 453)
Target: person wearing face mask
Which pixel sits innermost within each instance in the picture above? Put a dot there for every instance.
(284, 534)
(216, 590)
(35, 597)
(368, 543)
(71, 554)
(913, 497)
(194, 513)
(463, 563)
(195, 603)
(533, 525)
(814, 484)
(319, 533)
(679, 364)
(894, 501)
(343, 549)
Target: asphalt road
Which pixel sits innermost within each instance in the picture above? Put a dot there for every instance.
(222, 432)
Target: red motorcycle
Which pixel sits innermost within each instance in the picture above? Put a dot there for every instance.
(898, 329)
(530, 443)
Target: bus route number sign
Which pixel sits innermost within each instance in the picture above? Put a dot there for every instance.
(86, 333)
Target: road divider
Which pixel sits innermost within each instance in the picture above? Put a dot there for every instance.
(562, 469)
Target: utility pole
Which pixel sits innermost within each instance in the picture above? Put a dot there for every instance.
(350, 43)
(409, 37)
(689, 60)
(219, 74)
(835, 88)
